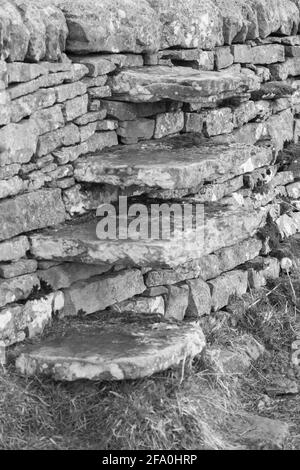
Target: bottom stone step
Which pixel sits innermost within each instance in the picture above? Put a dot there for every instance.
(116, 351)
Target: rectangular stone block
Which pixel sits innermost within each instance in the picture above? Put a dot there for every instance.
(69, 91)
(49, 119)
(168, 123)
(19, 72)
(14, 249)
(100, 292)
(193, 122)
(27, 105)
(75, 108)
(227, 285)
(19, 288)
(99, 92)
(291, 67)
(199, 299)
(131, 132)
(18, 142)
(95, 64)
(223, 57)
(292, 51)
(30, 212)
(18, 268)
(264, 54)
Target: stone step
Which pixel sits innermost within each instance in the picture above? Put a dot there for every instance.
(217, 227)
(181, 162)
(114, 351)
(185, 84)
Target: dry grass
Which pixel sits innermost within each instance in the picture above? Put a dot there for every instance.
(162, 412)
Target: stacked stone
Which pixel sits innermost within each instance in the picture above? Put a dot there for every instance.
(166, 101)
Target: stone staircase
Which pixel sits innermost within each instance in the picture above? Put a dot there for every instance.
(198, 114)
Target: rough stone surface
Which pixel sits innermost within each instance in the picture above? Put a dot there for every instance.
(181, 84)
(177, 302)
(113, 352)
(66, 274)
(265, 54)
(100, 292)
(168, 123)
(150, 305)
(199, 298)
(131, 132)
(124, 27)
(227, 285)
(30, 211)
(14, 249)
(261, 433)
(18, 268)
(18, 142)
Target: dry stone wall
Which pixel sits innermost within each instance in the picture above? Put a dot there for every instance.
(186, 101)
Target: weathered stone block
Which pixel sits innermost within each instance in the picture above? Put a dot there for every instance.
(18, 142)
(76, 107)
(66, 274)
(150, 305)
(49, 142)
(168, 123)
(18, 268)
(199, 298)
(14, 249)
(100, 292)
(115, 351)
(69, 91)
(260, 270)
(177, 302)
(131, 111)
(19, 72)
(5, 108)
(193, 122)
(181, 84)
(223, 58)
(19, 288)
(264, 54)
(291, 67)
(28, 104)
(238, 254)
(234, 283)
(189, 24)
(30, 211)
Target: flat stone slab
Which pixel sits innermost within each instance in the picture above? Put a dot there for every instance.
(155, 83)
(173, 163)
(118, 351)
(219, 227)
